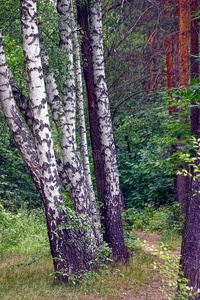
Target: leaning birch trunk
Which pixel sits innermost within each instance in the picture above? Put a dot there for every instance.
(76, 176)
(83, 141)
(21, 135)
(24, 108)
(113, 220)
(71, 159)
(64, 8)
(66, 247)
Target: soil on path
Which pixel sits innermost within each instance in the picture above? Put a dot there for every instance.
(150, 291)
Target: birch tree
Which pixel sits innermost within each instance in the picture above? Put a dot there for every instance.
(87, 63)
(71, 159)
(70, 254)
(64, 8)
(113, 220)
(83, 136)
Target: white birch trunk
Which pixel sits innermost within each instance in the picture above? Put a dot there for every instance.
(71, 159)
(113, 194)
(20, 133)
(38, 104)
(64, 8)
(23, 106)
(83, 137)
(62, 241)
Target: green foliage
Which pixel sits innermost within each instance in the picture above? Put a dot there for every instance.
(146, 138)
(146, 170)
(172, 276)
(23, 232)
(16, 186)
(192, 159)
(166, 220)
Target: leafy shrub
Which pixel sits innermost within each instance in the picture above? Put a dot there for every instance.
(165, 219)
(144, 145)
(169, 268)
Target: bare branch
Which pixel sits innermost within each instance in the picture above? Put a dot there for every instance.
(126, 34)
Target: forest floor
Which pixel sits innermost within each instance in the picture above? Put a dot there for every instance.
(139, 281)
(152, 289)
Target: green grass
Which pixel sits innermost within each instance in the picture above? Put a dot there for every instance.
(36, 282)
(22, 233)
(27, 271)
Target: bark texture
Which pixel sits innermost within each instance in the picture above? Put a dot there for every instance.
(113, 220)
(66, 246)
(64, 8)
(24, 108)
(83, 136)
(82, 15)
(190, 251)
(194, 66)
(71, 159)
(169, 50)
(182, 182)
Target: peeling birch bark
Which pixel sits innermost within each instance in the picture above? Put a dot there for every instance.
(83, 137)
(71, 159)
(64, 8)
(113, 220)
(69, 255)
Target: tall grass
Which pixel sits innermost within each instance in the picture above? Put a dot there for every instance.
(27, 271)
(22, 233)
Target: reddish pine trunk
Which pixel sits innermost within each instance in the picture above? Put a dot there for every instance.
(169, 54)
(182, 182)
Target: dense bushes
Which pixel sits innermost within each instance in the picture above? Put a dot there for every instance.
(144, 146)
(166, 220)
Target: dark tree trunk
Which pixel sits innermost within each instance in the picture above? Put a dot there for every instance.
(113, 199)
(82, 14)
(190, 251)
(194, 51)
(108, 182)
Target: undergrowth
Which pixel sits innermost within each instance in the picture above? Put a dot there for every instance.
(23, 233)
(27, 270)
(165, 220)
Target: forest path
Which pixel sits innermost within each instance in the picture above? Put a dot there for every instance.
(149, 291)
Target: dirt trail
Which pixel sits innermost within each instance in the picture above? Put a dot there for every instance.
(150, 291)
